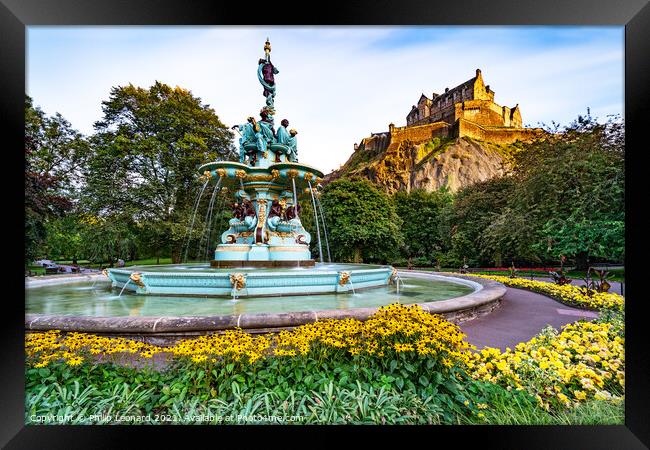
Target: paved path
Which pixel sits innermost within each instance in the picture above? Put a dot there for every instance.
(521, 316)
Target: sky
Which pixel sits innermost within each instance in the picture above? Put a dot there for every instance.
(335, 85)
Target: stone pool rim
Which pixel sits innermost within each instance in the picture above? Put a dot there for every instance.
(459, 309)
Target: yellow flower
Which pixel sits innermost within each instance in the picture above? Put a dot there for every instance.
(74, 361)
(580, 395)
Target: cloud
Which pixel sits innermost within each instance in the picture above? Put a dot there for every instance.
(336, 84)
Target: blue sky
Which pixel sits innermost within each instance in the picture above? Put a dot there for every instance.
(336, 84)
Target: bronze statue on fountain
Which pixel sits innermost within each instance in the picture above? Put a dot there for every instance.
(265, 229)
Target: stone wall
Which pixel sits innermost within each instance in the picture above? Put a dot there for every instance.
(376, 142)
(488, 113)
(496, 135)
(419, 133)
(463, 127)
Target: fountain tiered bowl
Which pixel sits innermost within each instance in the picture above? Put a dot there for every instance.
(257, 257)
(263, 245)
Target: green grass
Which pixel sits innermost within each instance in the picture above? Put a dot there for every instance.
(38, 270)
(81, 262)
(434, 147)
(521, 412)
(136, 262)
(148, 262)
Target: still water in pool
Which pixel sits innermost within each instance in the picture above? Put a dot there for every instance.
(100, 300)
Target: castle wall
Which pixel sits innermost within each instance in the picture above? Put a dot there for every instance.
(497, 135)
(516, 118)
(485, 113)
(420, 133)
(376, 142)
(446, 114)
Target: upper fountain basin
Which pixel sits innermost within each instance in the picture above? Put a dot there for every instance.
(279, 173)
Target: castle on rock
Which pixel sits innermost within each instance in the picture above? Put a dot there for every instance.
(468, 110)
(472, 100)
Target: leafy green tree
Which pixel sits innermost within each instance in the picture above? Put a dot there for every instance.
(507, 238)
(108, 239)
(362, 222)
(421, 213)
(58, 150)
(64, 238)
(573, 184)
(586, 238)
(40, 205)
(474, 209)
(564, 196)
(148, 148)
(54, 154)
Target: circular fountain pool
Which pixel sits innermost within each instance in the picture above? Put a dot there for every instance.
(101, 300)
(91, 305)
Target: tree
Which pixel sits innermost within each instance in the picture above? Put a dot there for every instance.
(564, 196)
(474, 209)
(40, 205)
(421, 213)
(507, 238)
(148, 148)
(57, 150)
(361, 220)
(64, 238)
(573, 182)
(54, 153)
(592, 238)
(107, 240)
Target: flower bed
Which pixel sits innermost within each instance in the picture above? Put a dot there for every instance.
(403, 346)
(394, 329)
(568, 294)
(585, 360)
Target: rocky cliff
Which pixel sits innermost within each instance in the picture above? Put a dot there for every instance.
(431, 164)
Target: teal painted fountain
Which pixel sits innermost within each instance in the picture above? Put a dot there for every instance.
(261, 275)
(265, 230)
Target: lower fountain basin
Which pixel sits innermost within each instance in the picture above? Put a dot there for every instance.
(89, 305)
(202, 280)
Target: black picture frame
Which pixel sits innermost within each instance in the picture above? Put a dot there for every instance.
(16, 15)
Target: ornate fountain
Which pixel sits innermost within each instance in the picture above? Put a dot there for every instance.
(263, 253)
(265, 230)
